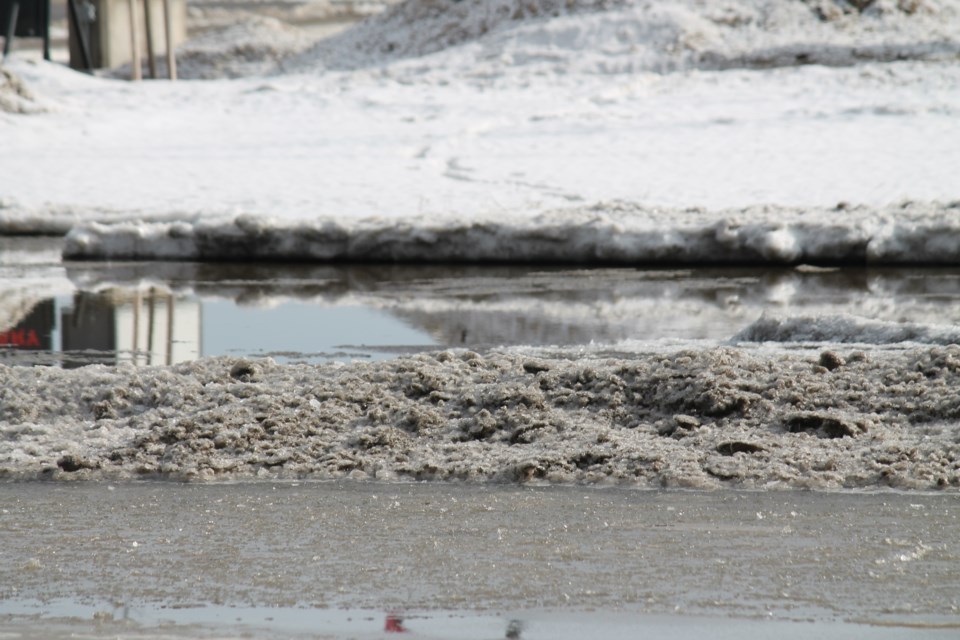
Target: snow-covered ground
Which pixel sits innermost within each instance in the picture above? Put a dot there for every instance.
(603, 115)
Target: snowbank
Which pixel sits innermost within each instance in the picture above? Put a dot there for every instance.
(621, 233)
(628, 36)
(349, 146)
(58, 219)
(704, 419)
(512, 109)
(483, 40)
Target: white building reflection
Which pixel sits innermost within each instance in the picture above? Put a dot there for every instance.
(151, 327)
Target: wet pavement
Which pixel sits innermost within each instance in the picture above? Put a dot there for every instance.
(459, 561)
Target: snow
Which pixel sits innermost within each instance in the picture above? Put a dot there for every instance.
(490, 37)
(703, 418)
(505, 112)
(600, 234)
(844, 329)
(15, 97)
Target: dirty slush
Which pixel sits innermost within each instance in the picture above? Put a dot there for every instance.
(722, 417)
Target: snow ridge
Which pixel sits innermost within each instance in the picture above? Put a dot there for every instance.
(611, 233)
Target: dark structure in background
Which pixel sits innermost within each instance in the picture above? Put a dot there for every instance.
(112, 33)
(25, 19)
(84, 37)
(141, 327)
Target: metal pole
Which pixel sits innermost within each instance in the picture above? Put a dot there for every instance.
(151, 55)
(46, 30)
(151, 314)
(135, 41)
(171, 57)
(81, 36)
(170, 320)
(136, 329)
(11, 28)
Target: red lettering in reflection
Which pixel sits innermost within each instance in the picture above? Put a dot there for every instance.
(20, 338)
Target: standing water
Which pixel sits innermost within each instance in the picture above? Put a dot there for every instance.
(166, 313)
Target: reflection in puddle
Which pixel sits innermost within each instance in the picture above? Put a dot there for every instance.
(32, 333)
(253, 621)
(165, 313)
(130, 326)
(50, 619)
(300, 330)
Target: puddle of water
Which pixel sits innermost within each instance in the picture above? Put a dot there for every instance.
(303, 331)
(164, 313)
(198, 621)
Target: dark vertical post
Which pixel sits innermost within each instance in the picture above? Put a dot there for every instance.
(151, 321)
(168, 24)
(11, 28)
(81, 35)
(151, 56)
(170, 321)
(135, 40)
(45, 12)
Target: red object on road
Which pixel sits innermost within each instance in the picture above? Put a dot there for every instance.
(394, 624)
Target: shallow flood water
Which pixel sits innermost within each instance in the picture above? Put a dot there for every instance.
(462, 561)
(164, 313)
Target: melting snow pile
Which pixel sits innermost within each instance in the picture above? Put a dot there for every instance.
(624, 36)
(611, 233)
(487, 39)
(704, 419)
(845, 329)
